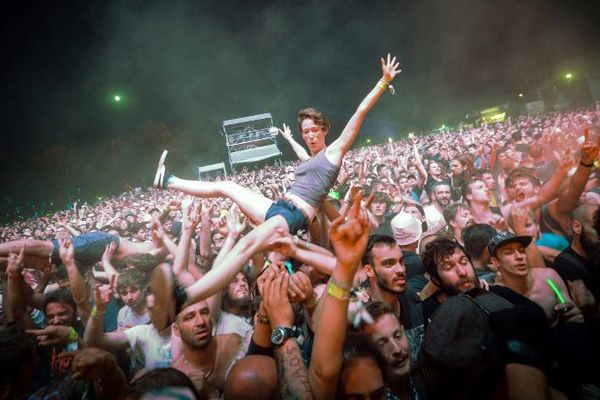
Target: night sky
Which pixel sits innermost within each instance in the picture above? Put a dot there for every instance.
(184, 67)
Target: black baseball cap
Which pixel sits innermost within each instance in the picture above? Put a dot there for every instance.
(502, 238)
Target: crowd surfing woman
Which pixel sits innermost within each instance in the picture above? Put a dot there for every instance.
(314, 177)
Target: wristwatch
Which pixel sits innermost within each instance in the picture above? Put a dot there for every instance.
(281, 334)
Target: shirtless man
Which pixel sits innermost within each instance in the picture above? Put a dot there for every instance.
(552, 213)
(477, 194)
(205, 359)
(508, 254)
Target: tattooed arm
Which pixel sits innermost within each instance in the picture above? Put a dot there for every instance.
(291, 372)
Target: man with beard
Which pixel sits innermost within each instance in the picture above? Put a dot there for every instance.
(458, 217)
(236, 311)
(388, 335)
(450, 270)
(407, 232)
(205, 359)
(441, 197)
(383, 262)
(576, 261)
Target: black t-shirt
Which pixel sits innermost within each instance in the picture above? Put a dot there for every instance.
(385, 228)
(411, 315)
(572, 266)
(430, 304)
(415, 271)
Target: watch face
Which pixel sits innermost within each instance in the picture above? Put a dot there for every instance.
(277, 336)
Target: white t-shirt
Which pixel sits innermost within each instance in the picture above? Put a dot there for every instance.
(128, 318)
(231, 323)
(156, 349)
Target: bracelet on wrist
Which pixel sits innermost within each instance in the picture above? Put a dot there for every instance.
(97, 314)
(338, 290)
(385, 85)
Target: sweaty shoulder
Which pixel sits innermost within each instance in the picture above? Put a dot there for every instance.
(545, 273)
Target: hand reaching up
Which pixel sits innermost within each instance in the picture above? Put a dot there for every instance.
(103, 294)
(275, 301)
(349, 234)
(390, 68)
(14, 266)
(236, 224)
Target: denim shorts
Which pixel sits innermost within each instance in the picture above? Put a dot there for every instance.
(89, 247)
(294, 217)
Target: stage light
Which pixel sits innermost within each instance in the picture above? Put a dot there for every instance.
(389, 140)
(368, 140)
(520, 94)
(117, 98)
(569, 76)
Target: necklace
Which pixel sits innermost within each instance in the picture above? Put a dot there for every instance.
(206, 375)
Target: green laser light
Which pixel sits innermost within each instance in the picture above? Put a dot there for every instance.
(117, 98)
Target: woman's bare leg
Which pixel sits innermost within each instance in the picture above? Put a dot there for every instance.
(253, 205)
(220, 275)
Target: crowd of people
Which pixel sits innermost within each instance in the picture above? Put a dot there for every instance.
(461, 264)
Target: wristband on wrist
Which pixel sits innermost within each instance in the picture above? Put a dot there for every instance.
(72, 336)
(586, 165)
(384, 85)
(338, 290)
(97, 314)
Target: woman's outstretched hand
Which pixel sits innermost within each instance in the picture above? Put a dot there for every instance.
(390, 68)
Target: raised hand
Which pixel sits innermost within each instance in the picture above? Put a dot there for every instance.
(275, 300)
(157, 232)
(300, 288)
(66, 251)
(390, 68)
(109, 252)
(14, 265)
(519, 216)
(349, 234)
(236, 224)
(286, 132)
(590, 149)
(283, 243)
(191, 213)
(51, 335)
(104, 293)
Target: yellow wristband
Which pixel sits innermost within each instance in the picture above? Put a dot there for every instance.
(382, 85)
(337, 292)
(97, 315)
